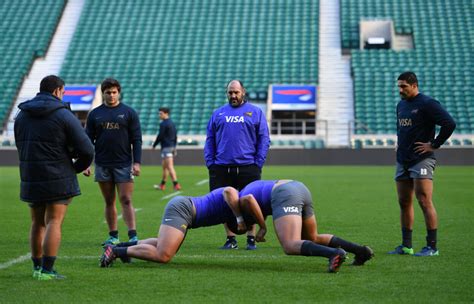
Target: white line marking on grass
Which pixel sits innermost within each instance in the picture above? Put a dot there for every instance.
(171, 195)
(189, 256)
(120, 215)
(202, 182)
(19, 259)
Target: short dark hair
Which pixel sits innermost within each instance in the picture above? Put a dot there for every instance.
(110, 83)
(409, 77)
(164, 110)
(51, 83)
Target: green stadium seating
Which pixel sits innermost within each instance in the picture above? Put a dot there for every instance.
(442, 59)
(182, 53)
(26, 30)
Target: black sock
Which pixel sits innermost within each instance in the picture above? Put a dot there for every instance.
(336, 242)
(48, 263)
(250, 239)
(163, 182)
(406, 237)
(431, 238)
(231, 238)
(127, 244)
(121, 252)
(36, 262)
(114, 234)
(312, 249)
(132, 233)
(175, 182)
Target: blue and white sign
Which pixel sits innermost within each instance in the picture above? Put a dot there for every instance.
(293, 97)
(80, 97)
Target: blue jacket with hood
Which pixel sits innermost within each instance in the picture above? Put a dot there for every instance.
(48, 136)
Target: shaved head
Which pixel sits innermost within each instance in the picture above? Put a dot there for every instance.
(235, 93)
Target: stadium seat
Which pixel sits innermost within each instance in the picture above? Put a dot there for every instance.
(434, 59)
(182, 54)
(26, 32)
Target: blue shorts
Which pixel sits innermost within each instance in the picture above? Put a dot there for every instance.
(168, 152)
(116, 175)
(62, 201)
(422, 169)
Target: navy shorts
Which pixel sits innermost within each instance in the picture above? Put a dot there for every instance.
(116, 175)
(168, 152)
(422, 169)
(292, 198)
(63, 201)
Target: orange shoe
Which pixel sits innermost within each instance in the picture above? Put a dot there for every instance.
(160, 187)
(177, 187)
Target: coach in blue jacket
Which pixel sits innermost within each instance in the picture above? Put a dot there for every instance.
(236, 147)
(48, 136)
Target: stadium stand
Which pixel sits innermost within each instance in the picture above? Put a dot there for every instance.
(442, 59)
(181, 53)
(26, 33)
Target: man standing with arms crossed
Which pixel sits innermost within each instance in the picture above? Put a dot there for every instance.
(167, 136)
(236, 148)
(48, 137)
(114, 128)
(417, 116)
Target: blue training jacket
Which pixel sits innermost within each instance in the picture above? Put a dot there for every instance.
(237, 136)
(416, 121)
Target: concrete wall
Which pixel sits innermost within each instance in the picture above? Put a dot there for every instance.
(445, 156)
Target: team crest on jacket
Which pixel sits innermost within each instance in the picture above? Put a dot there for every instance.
(248, 114)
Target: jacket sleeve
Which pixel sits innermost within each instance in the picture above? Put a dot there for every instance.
(210, 145)
(263, 141)
(79, 142)
(135, 134)
(90, 127)
(160, 135)
(442, 118)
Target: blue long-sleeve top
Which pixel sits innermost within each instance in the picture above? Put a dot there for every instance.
(167, 134)
(262, 192)
(237, 136)
(114, 131)
(211, 209)
(416, 122)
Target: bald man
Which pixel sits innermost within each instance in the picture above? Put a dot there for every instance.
(236, 148)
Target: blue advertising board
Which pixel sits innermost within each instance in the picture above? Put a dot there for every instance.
(293, 97)
(80, 97)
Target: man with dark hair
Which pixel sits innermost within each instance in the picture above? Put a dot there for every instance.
(167, 137)
(114, 128)
(417, 116)
(48, 136)
(236, 148)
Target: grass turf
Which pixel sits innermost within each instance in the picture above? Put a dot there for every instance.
(355, 203)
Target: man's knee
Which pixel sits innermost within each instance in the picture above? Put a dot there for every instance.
(126, 200)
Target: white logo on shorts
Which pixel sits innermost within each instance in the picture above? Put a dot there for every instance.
(290, 209)
(423, 171)
(167, 220)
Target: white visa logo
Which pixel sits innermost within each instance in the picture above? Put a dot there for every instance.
(290, 209)
(234, 119)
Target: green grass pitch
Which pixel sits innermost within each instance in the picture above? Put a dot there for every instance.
(355, 203)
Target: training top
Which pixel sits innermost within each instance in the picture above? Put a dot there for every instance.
(211, 209)
(237, 136)
(262, 192)
(416, 121)
(167, 134)
(114, 130)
